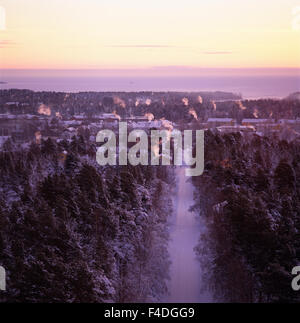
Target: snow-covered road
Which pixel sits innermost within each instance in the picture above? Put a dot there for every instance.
(185, 283)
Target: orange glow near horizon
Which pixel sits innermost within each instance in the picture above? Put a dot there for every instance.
(139, 35)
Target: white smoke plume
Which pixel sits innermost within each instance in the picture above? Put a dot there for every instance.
(214, 106)
(185, 101)
(44, 109)
(240, 105)
(193, 113)
(169, 127)
(150, 116)
(255, 113)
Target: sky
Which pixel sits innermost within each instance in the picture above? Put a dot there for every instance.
(159, 35)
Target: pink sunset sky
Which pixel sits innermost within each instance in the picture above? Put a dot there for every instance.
(154, 37)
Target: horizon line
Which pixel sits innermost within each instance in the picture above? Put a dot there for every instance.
(152, 68)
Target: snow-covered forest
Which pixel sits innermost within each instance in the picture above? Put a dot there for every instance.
(249, 196)
(74, 232)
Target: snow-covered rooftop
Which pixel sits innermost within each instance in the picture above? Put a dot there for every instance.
(258, 121)
(220, 120)
(291, 121)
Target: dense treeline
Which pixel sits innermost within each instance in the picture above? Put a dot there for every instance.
(72, 231)
(174, 106)
(261, 108)
(167, 105)
(250, 198)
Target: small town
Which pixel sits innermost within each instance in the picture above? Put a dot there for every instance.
(60, 116)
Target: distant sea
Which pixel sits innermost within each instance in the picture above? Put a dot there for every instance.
(269, 86)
